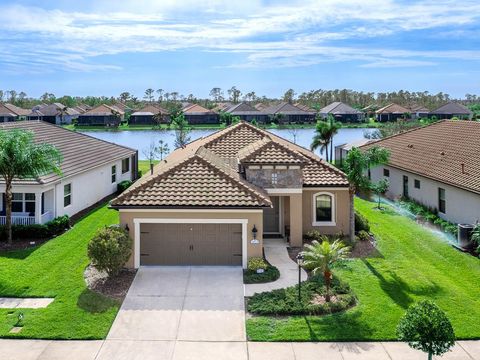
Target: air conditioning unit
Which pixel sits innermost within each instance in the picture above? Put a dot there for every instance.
(465, 235)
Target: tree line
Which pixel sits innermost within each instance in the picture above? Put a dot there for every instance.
(315, 99)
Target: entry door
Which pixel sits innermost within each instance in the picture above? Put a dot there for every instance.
(405, 186)
(271, 216)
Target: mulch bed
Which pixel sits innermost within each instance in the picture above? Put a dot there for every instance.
(21, 245)
(115, 288)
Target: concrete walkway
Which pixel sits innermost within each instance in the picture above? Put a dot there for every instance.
(276, 253)
(191, 350)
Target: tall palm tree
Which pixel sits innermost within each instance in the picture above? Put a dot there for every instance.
(22, 158)
(320, 257)
(357, 164)
(321, 139)
(334, 128)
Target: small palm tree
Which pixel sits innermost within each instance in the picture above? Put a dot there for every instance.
(321, 257)
(321, 139)
(22, 158)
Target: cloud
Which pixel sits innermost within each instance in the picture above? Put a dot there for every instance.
(290, 34)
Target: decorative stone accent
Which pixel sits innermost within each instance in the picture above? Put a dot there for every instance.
(286, 178)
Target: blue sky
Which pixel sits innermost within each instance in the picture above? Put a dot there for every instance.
(106, 47)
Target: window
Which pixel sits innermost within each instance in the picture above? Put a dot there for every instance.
(386, 172)
(323, 209)
(125, 165)
(17, 202)
(416, 183)
(274, 178)
(114, 174)
(441, 200)
(30, 203)
(67, 195)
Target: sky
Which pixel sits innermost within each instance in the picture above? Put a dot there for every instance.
(104, 47)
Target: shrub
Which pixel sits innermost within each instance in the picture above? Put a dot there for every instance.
(37, 231)
(270, 274)
(256, 263)
(110, 249)
(363, 235)
(361, 223)
(58, 225)
(123, 185)
(313, 235)
(140, 173)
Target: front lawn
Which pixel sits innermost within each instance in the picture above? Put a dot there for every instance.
(55, 269)
(413, 264)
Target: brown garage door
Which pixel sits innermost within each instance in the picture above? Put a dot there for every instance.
(190, 244)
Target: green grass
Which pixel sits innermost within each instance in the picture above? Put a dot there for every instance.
(144, 166)
(414, 264)
(55, 269)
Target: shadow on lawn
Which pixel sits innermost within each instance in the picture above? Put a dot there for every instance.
(95, 303)
(20, 254)
(397, 289)
(340, 327)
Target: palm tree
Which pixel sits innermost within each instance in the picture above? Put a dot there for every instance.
(322, 138)
(334, 128)
(22, 158)
(357, 164)
(320, 257)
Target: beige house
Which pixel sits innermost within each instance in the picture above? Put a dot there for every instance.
(213, 201)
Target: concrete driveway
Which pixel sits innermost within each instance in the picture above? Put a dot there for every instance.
(183, 304)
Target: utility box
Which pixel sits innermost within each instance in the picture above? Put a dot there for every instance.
(464, 236)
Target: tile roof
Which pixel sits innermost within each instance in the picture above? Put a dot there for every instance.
(266, 151)
(196, 109)
(54, 110)
(438, 151)
(242, 108)
(194, 182)
(18, 111)
(103, 110)
(284, 108)
(260, 106)
(305, 107)
(452, 108)
(339, 108)
(393, 109)
(80, 152)
(151, 109)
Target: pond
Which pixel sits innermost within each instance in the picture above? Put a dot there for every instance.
(141, 139)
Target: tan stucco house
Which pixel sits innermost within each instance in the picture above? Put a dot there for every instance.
(212, 202)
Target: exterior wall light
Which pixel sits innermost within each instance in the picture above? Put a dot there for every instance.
(254, 234)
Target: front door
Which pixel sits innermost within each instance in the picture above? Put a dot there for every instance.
(405, 186)
(271, 216)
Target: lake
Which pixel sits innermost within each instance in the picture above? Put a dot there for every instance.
(141, 139)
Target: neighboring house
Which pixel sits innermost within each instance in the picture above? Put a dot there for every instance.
(342, 112)
(105, 115)
(451, 110)
(437, 166)
(284, 113)
(91, 170)
(149, 115)
(9, 112)
(392, 112)
(341, 151)
(247, 112)
(82, 108)
(222, 106)
(419, 111)
(211, 202)
(197, 114)
(261, 106)
(55, 113)
(305, 107)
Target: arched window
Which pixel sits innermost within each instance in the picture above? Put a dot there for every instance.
(323, 209)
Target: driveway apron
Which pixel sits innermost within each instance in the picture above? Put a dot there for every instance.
(183, 304)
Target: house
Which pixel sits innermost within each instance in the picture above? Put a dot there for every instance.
(342, 112)
(55, 113)
(149, 115)
(451, 110)
(247, 112)
(284, 113)
(104, 115)
(10, 112)
(392, 112)
(197, 114)
(437, 166)
(341, 151)
(419, 111)
(213, 201)
(82, 108)
(91, 170)
(304, 107)
(261, 106)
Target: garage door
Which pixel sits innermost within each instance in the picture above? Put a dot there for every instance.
(190, 244)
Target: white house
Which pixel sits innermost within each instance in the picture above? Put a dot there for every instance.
(55, 113)
(91, 170)
(437, 166)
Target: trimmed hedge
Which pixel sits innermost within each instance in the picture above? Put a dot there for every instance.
(285, 301)
(123, 185)
(270, 274)
(37, 231)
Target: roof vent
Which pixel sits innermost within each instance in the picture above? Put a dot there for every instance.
(410, 146)
(463, 168)
(442, 153)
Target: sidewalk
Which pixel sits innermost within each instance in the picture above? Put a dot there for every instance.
(187, 350)
(276, 254)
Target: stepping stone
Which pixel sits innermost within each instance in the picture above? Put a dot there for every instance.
(24, 303)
